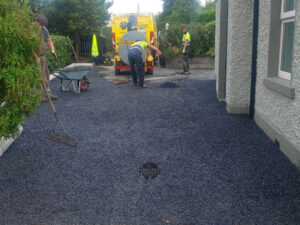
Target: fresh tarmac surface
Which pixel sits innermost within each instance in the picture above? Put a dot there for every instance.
(215, 168)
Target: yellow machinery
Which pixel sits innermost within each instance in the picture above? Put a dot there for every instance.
(126, 29)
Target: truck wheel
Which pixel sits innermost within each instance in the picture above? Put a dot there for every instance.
(117, 72)
(150, 72)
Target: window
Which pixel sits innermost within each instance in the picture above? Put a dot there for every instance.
(281, 47)
(287, 38)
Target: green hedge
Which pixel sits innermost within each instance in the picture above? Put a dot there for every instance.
(63, 51)
(202, 40)
(20, 45)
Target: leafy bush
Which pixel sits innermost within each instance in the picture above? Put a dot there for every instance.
(210, 32)
(202, 39)
(63, 51)
(168, 39)
(168, 54)
(20, 45)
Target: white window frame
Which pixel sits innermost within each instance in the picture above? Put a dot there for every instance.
(285, 17)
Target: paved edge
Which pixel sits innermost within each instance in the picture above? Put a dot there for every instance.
(6, 143)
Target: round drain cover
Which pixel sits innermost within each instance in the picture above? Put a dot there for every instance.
(150, 170)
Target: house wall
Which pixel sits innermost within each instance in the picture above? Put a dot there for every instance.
(217, 44)
(221, 47)
(276, 114)
(239, 55)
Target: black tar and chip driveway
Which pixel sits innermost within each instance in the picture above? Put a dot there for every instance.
(215, 168)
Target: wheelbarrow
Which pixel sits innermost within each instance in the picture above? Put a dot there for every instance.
(77, 76)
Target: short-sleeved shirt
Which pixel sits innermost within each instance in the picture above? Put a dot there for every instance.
(186, 37)
(46, 35)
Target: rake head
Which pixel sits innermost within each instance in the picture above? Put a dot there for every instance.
(61, 139)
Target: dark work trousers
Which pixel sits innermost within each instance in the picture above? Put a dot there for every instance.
(135, 59)
(186, 66)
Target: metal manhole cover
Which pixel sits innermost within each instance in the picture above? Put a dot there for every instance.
(169, 85)
(149, 170)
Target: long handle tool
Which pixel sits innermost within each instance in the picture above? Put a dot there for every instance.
(55, 137)
(72, 48)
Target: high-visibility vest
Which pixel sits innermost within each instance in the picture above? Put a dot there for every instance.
(186, 37)
(140, 44)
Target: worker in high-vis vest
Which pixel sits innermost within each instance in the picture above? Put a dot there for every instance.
(136, 60)
(186, 42)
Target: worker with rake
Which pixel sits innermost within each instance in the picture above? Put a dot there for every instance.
(42, 22)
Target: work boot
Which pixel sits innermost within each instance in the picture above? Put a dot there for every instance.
(143, 86)
(52, 96)
(135, 85)
(44, 99)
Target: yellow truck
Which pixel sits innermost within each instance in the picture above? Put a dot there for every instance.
(127, 29)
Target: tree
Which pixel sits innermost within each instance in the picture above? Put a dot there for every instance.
(75, 17)
(37, 5)
(206, 13)
(167, 9)
(180, 11)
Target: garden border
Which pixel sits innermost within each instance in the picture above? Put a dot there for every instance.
(5, 143)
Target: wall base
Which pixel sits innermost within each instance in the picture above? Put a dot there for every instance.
(290, 149)
(5, 143)
(220, 99)
(237, 109)
(196, 63)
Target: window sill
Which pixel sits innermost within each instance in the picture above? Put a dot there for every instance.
(281, 86)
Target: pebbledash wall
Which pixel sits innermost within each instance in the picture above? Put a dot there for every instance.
(217, 48)
(277, 114)
(277, 101)
(239, 49)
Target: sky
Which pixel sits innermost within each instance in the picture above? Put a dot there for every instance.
(130, 6)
